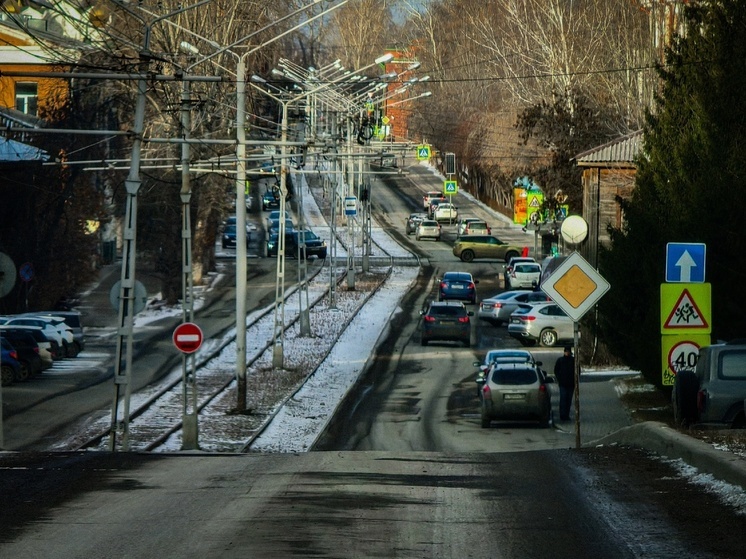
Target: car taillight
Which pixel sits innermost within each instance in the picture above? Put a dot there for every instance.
(486, 392)
(526, 317)
(542, 388)
(463, 319)
(498, 305)
(443, 285)
(429, 318)
(13, 354)
(36, 349)
(471, 285)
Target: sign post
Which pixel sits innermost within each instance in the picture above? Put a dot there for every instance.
(575, 286)
(188, 338)
(686, 309)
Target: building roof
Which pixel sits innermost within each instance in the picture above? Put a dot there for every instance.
(14, 152)
(621, 152)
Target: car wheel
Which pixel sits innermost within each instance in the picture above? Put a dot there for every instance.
(467, 255)
(485, 421)
(437, 239)
(510, 254)
(546, 418)
(72, 350)
(548, 338)
(24, 373)
(467, 343)
(423, 341)
(417, 237)
(6, 375)
(684, 398)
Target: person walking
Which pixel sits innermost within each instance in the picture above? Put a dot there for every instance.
(564, 371)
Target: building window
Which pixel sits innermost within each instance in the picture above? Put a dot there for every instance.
(26, 97)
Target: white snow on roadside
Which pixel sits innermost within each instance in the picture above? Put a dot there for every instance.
(731, 495)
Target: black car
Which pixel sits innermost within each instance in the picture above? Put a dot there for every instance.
(315, 246)
(270, 200)
(446, 321)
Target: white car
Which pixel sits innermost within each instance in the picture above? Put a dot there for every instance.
(428, 229)
(445, 212)
(49, 330)
(524, 275)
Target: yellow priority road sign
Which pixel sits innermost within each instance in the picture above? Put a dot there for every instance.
(686, 308)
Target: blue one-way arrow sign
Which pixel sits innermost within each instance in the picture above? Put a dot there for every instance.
(685, 262)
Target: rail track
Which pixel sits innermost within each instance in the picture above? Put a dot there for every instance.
(157, 412)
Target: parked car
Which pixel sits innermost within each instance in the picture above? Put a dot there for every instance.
(428, 229)
(546, 323)
(70, 348)
(497, 309)
(516, 391)
(74, 320)
(445, 212)
(483, 246)
(27, 354)
(273, 226)
(315, 246)
(433, 205)
(476, 228)
(524, 275)
(446, 321)
(501, 356)
(46, 349)
(10, 368)
(714, 391)
(270, 200)
(458, 285)
(274, 216)
(429, 197)
(509, 263)
(411, 223)
(58, 344)
(461, 224)
(229, 236)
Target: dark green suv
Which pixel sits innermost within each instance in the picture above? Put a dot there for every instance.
(315, 246)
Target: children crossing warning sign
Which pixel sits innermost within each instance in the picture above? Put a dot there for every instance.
(686, 307)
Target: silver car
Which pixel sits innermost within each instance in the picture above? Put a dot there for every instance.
(524, 274)
(428, 229)
(516, 391)
(543, 322)
(497, 310)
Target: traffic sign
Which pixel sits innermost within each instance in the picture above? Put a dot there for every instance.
(423, 152)
(686, 307)
(350, 205)
(26, 271)
(450, 187)
(680, 353)
(188, 337)
(685, 262)
(575, 286)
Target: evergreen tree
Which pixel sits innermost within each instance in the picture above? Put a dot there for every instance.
(689, 188)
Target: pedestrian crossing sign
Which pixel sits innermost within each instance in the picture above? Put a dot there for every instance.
(450, 187)
(686, 307)
(423, 152)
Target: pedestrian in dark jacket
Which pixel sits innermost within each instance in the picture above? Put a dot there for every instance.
(564, 371)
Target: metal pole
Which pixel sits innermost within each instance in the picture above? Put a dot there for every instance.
(350, 219)
(241, 234)
(279, 328)
(189, 439)
(576, 335)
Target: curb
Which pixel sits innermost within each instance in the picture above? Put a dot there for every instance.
(669, 443)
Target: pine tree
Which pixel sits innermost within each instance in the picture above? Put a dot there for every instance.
(690, 187)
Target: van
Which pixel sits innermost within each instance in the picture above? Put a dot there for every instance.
(715, 390)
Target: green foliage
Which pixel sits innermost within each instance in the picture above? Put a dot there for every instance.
(689, 187)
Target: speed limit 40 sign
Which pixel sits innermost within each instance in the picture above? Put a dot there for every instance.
(680, 353)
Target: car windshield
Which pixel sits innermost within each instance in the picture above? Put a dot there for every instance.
(230, 229)
(307, 236)
(514, 377)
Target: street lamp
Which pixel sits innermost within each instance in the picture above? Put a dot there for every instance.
(279, 326)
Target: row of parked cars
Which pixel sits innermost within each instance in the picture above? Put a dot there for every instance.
(31, 342)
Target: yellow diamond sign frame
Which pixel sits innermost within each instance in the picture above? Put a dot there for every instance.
(575, 286)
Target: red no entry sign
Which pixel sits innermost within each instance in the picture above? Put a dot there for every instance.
(188, 337)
